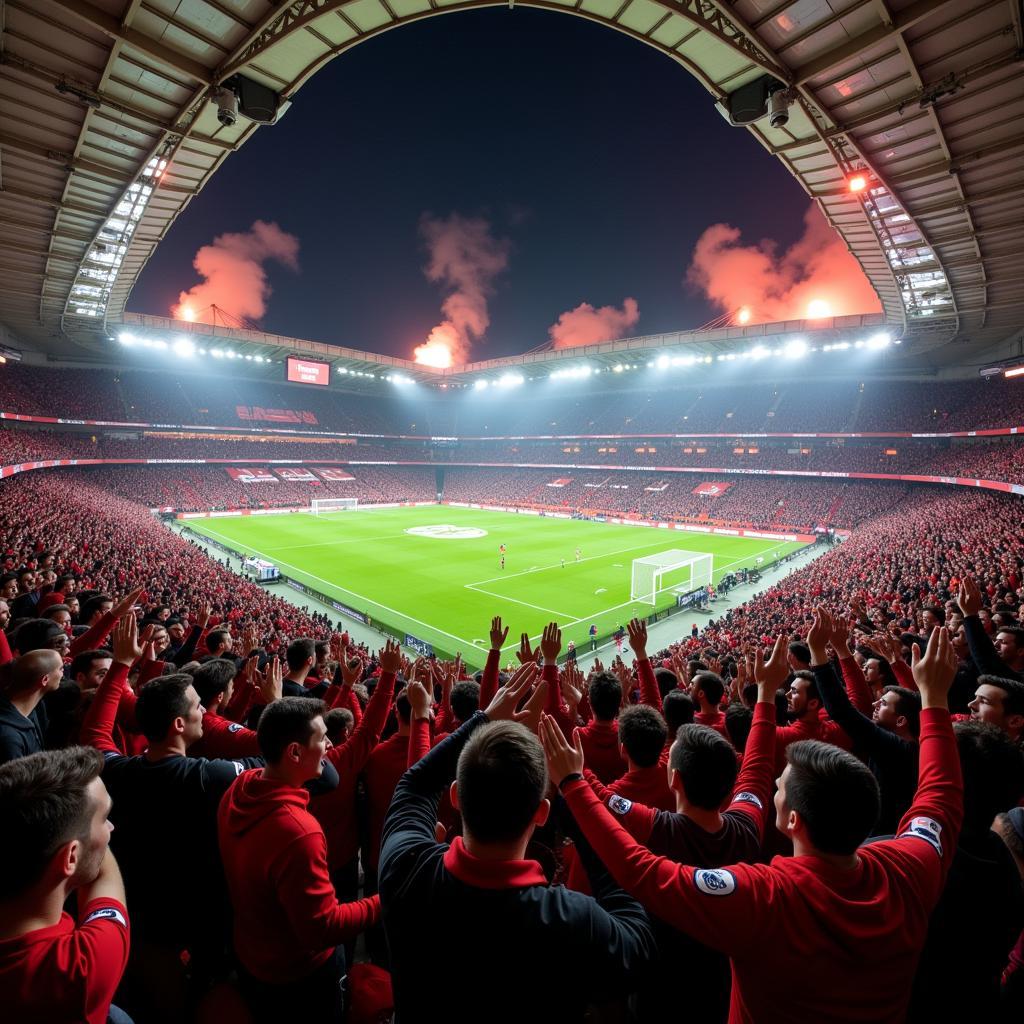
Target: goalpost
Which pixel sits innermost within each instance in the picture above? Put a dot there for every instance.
(685, 572)
(321, 505)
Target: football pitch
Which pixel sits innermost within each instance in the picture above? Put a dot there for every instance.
(435, 571)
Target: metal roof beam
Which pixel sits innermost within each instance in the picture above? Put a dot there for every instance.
(112, 27)
(901, 21)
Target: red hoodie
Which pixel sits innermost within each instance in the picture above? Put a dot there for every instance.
(600, 742)
(287, 917)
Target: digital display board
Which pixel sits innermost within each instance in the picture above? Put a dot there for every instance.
(308, 371)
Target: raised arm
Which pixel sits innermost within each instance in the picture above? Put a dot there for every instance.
(98, 724)
(752, 794)
(983, 651)
(95, 635)
(492, 669)
(649, 692)
(353, 754)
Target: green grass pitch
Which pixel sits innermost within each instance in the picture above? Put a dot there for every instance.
(445, 589)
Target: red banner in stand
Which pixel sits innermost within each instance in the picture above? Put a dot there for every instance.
(334, 475)
(250, 475)
(712, 489)
(302, 476)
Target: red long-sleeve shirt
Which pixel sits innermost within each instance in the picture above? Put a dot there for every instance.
(384, 767)
(287, 918)
(336, 810)
(69, 971)
(809, 940)
(224, 738)
(600, 742)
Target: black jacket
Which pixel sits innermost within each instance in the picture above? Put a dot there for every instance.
(19, 735)
(514, 949)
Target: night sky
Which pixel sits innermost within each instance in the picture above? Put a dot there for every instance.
(601, 160)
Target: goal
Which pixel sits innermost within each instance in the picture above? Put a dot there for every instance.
(321, 505)
(674, 570)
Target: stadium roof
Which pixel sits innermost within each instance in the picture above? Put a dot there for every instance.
(107, 130)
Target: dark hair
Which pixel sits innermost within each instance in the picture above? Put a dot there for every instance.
(24, 571)
(50, 609)
(23, 673)
(43, 805)
(35, 635)
(738, 720)
(605, 694)
(502, 777)
(800, 651)
(909, 706)
(402, 706)
(1013, 702)
(678, 709)
(936, 610)
(666, 679)
(711, 685)
(834, 793)
(642, 731)
(1016, 632)
(288, 720)
(706, 762)
(299, 652)
(160, 702)
(83, 662)
(993, 771)
(213, 677)
(337, 721)
(217, 638)
(92, 605)
(812, 692)
(321, 649)
(465, 699)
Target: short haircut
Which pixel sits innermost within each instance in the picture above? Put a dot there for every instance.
(1013, 702)
(800, 651)
(213, 677)
(502, 777)
(678, 709)
(83, 662)
(22, 674)
(35, 635)
(993, 771)
(43, 805)
(711, 685)
(812, 691)
(605, 696)
(93, 605)
(738, 720)
(666, 679)
(465, 699)
(642, 731)
(834, 793)
(160, 702)
(288, 720)
(52, 609)
(337, 721)
(299, 652)
(217, 638)
(938, 611)
(1016, 632)
(322, 649)
(402, 706)
(909, 706)
(706, 762)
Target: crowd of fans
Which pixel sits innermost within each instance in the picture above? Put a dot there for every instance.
(625, 405)
(305, 830)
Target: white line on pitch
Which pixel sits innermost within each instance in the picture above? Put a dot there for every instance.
(514, 600)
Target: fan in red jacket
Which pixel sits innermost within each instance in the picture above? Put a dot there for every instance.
(53, 815)
(848, 921)
(289, 926)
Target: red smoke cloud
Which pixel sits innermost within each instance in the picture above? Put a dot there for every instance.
(464, 257)
(817, 269)
(585, 325)
(233, 275)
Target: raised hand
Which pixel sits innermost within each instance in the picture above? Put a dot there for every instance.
(840, 636)
(127, 603)
(770, 675)
(389, 657)
(419, 699)
(570, 694)
(532, 709)
(499, 633)
(202, 617)
(526, 654)
(551, 643)
(969, 597)
(351, 671)
(935, 669)
(271, 682)
(125, 637)
(503, 704)
(819, 636)
(637, 630)
(562, 758)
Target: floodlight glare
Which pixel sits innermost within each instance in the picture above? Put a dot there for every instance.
(480, 384)
(126, 339)
(183, 347)
(662, 362)
(795, 348)
(858, 183)
(758, 352)
(878, 341)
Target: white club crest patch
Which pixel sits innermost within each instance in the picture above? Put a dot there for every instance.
(444, 531)
(748, 798)
(234, 727)
(714, 882)
(927, 829)
(107, 914)
(619, 804)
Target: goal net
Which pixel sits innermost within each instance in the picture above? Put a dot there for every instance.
(669, 571)
(321, 505)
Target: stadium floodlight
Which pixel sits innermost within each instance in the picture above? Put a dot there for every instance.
(673, 570)
(795, 348)
(662, 362)
(479, 385)
(183, 347)
(857, 183)
(126, 338)
(509, 380)
(758, 352)
(877, 341)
